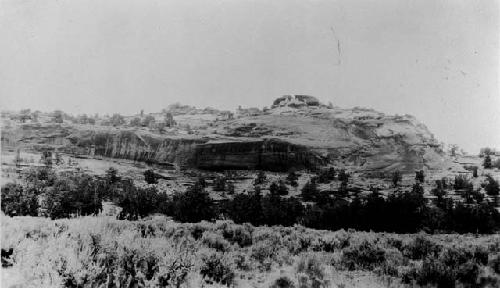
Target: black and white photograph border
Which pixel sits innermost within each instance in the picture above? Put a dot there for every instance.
(250, 143)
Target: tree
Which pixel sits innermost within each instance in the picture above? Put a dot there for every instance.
(193, 205)
(83, 119)
(137, 203)
(292, 178)
(117, 120)
(278, 188)
(492, 187)
(396, 178)
(136, 122)
(310, 191)
(420, 176)
(150, 177)
(279, 211)
(73, 195)
(112, 175)
(230, 188)
(461, 182)
(261, 178)
(246, 208)
(147, 121)
(18, 201)
(169, 119)
(57, 116)
(487, 162)
(326, 175)
(343, 176)
(453, 149)
(220, 183)
(485, 151)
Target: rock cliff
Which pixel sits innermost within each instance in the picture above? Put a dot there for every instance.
(297, 132)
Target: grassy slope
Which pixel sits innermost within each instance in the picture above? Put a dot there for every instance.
(97, 249)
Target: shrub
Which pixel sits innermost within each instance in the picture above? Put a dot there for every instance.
(215, 241)
(240, 234)
(495, 263)
(311, 266)
(435, 272)
(363, 256)
(420, 248)
(452, 264)
(283, 282)
(217, 267)
(150, 177)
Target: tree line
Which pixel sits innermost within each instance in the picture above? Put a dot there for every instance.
(71, 194)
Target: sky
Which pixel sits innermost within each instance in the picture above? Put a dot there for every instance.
(434, 59)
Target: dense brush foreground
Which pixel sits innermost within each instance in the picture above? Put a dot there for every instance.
(105, 252)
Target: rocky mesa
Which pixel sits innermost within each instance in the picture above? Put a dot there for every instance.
(298, 131)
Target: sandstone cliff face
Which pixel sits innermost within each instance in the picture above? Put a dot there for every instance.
(141, 147)
(267, 154)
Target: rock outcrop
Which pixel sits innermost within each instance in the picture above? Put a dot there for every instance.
(298, 132)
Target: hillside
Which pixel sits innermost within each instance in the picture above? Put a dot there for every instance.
(98, 252)
(296, 132)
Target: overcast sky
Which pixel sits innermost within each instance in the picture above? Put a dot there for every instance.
(437, 60)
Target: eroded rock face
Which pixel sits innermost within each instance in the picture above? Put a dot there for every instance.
(278, 139)
(266, 154)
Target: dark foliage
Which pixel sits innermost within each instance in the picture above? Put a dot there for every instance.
(150, 177)
(310, 191)
(420, 176)
(326, 175)
(401, 212)
(261, 178)
(292, 178)
(72, 195)
(343, 176)
(137, 203)
(461, 182)
(112, 175)
(278, 188)
(492, 188)
(487, 162)
(396, 178)
(194, 205)
(220, 183)
(271, 209)
(19, 201)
